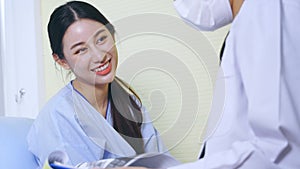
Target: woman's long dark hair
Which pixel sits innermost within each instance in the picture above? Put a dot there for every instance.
(127, 115)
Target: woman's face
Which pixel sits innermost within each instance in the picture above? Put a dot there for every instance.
(90, 52)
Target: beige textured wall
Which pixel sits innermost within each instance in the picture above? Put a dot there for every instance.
(160, 88)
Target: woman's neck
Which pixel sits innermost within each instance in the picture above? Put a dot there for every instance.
(97, 96)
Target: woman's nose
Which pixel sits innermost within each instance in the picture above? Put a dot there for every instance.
(98, 55)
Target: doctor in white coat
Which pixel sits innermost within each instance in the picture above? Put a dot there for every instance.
(259, 126)
(260, 122)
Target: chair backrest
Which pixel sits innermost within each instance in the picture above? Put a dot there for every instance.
(14, 152)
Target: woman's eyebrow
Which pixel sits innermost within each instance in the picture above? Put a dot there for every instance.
(81, 43)
(77, 44)
(98, 32)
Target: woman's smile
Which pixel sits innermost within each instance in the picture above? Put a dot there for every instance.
(103, 69)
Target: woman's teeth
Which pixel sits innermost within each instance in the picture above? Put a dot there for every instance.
(102, 67)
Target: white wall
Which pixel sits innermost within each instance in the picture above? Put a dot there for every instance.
(169, 64)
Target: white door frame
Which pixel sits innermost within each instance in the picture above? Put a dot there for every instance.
(2, 109)
(21, 58)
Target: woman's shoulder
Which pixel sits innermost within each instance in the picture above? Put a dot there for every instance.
(57, 111)
(61, 101)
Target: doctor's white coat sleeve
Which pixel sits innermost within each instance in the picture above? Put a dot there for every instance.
(207, 15)
(261, 119)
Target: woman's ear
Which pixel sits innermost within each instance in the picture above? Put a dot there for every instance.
(62, 62)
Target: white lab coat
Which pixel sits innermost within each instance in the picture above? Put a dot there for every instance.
(260, 122)
(205, 14)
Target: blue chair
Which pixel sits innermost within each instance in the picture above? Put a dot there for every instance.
(14, 152)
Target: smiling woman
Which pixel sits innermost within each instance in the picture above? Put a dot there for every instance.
(96, 115)
(148, 32)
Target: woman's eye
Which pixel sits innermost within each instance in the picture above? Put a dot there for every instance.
(101, 39)
(80, 51)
